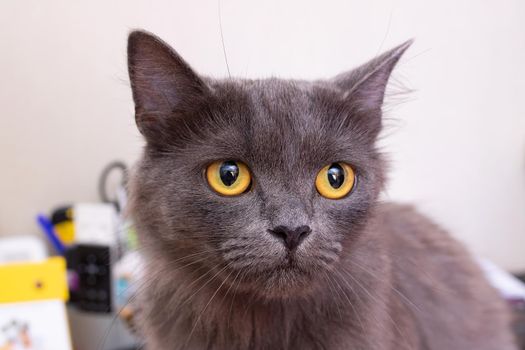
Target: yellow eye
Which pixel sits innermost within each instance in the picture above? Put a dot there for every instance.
(228, 178)
(335, 181)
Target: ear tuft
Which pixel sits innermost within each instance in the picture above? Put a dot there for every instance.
(164, 86)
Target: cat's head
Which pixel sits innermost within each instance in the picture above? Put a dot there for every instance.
(265, 183)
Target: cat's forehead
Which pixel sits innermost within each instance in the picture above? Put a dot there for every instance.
(294, 106)
(288, 123)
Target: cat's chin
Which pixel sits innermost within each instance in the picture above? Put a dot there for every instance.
(288, 285)
(280, 282)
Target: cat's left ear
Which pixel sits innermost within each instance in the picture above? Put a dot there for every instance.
(166, 91)
(364, 88)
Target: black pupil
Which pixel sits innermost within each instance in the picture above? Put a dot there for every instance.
(336, 175)
(229, 172)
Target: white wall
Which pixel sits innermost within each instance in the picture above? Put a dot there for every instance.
(457, 146)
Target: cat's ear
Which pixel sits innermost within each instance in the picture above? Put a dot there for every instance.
(364, 88)
(165, 88)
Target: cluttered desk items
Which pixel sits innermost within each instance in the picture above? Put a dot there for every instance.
(32, 306)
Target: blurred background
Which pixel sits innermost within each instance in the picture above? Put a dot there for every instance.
(456, 143)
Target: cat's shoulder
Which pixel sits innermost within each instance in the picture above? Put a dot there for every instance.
(423, 254)
(441, 283)
(413, 230)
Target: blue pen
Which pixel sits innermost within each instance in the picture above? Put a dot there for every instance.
(49, 231)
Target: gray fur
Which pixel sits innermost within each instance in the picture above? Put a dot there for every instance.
(369, 276)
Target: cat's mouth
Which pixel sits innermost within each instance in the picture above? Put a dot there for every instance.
(292, 263)
(289, 264)
(288, 277)
(274, 270)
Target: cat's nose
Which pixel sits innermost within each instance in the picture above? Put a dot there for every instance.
(291, 237)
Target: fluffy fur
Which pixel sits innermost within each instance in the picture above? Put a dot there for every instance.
(369, 276)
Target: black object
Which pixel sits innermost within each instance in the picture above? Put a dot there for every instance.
(62, 214)
(102, 181)
(89, 275)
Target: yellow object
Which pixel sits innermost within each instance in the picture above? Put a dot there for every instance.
(34, 281)
(335, 181)
(237, 175)
(65, 231)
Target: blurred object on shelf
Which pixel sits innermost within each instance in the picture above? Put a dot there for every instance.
(85, 223)
(95, 223)
(119, 191)
(49, 232)
(127, 236)
(97, 239)
(34, 281)
(127, 274)
(32, 310)
(510, 287)
(21, 249)
(89, 275)
(62, 220)
(90, 223)
(99, 331)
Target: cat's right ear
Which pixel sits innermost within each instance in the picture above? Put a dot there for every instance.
(364, 90)
(165, 88)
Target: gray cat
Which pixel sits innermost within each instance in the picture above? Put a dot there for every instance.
(256, 203)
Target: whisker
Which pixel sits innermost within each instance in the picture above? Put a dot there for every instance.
(233, 297)
(205, 307)
(351, 304)
(410, 303)
(372, 298)
(332, 289)
(205, 284)
(222, 38)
